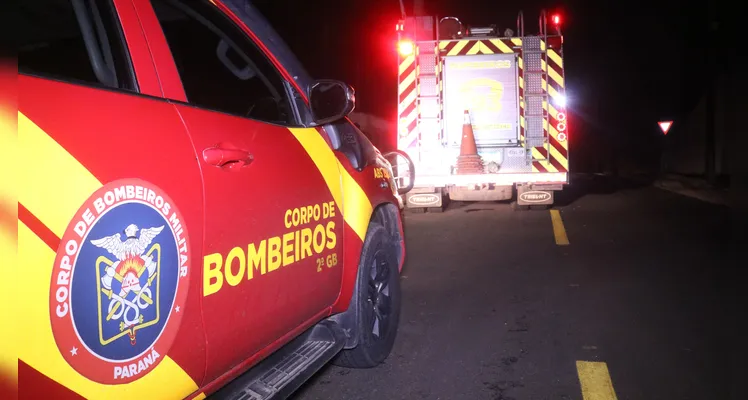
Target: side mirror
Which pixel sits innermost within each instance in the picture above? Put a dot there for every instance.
(403, 170)
(331, 100)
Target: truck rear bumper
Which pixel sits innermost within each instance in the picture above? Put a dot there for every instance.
(506, 179)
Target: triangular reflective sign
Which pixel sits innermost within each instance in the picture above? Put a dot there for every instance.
(665, 126)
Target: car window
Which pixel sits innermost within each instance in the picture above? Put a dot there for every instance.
(72, 40)
(220, 67)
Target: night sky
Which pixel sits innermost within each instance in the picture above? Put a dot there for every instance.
(627, 64)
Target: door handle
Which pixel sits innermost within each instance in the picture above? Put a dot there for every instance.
(227, 157)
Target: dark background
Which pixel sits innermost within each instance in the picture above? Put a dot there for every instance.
(627, 64)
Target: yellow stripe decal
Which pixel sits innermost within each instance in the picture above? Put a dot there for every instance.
(542, 45)
(502, 46)
(552, 73)
(9, 332)
(458, 47)
(521, 64)
(517, 42)
(478, 47)
(552, 110)
(59, 172)
(408, 101)
(407, 81)
(521, 81)
(38, 349)
(555, 57)
(406, 63)
(536, 154)
(350, 198)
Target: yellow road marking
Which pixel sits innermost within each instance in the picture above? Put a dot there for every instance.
(595, 381)
(558, 229)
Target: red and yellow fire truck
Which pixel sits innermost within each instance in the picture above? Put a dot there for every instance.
(196, 215)
(481, 112)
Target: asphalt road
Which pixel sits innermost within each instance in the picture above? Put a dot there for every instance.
(642, 302)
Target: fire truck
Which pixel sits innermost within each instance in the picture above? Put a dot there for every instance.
(482, 113)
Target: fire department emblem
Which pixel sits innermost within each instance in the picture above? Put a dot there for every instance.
(120, 282)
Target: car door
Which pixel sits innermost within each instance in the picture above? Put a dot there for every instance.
(273, 234)
(109, 212)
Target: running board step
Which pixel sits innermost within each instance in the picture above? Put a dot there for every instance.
(279, 375)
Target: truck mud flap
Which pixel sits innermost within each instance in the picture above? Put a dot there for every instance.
(281, 374)
(534, 196)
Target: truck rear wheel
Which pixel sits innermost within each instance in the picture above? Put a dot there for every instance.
(378, 302)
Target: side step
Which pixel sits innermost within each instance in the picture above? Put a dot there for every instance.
(279, 375)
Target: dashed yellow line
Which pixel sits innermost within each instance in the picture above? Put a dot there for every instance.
(595, 381)
(558, 229)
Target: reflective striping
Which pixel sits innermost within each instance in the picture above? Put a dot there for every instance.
(347, 193)
(407, 82)
(200, 396)
(501, 45)
(555, 57)
(38, 349)
(406, 63)
(551, 90)
(552, 73)
(540, 158)
(50, 176)
(475, 49)
(485, 46)
(595, 381)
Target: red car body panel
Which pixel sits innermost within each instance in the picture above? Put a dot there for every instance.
(310, 223)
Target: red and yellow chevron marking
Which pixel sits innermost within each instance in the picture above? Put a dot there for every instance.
(407, 113)
(554, 157)
(484, 46)
(41, 223)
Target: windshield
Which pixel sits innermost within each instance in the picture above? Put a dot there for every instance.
(250, 15)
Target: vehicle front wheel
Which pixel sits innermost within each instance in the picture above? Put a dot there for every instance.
(378, 295)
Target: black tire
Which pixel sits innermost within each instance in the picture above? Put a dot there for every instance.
(378, 279)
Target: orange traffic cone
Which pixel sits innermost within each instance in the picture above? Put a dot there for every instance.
(469, 162)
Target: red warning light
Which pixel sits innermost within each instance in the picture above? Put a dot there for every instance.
(561, 126)
(405, 48)
(561, 116)
(556, 19)
(665, 126)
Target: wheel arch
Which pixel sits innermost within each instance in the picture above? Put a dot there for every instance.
(389, 216)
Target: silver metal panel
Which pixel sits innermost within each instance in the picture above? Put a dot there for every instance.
(427, 85)
(429, 107)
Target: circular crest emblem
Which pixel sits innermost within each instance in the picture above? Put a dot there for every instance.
(120, 282)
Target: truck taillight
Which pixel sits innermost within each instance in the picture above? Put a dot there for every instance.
(561, 117)
(556, 19)
(405, 47)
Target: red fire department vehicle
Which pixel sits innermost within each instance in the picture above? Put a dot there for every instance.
(503, 92)
(196, 216)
